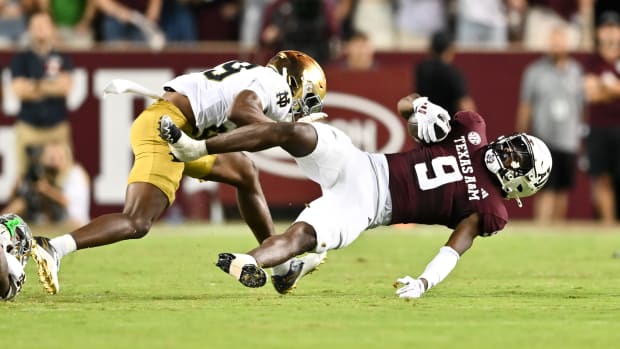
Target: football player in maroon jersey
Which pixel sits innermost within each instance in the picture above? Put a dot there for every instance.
(459, 180)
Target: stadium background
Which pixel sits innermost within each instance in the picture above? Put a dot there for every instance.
(360, 102)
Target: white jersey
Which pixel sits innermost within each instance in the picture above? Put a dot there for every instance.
(211, 93)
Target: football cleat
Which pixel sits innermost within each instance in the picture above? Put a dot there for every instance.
(243, 268)
(48, 263)
(298, 268)
(168, 131)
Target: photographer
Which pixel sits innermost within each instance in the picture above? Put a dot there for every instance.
(54, 189)
(41, 80)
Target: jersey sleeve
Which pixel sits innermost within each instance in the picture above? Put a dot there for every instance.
(470, 118)
(274, 94)
(467, 121)
(491, 224)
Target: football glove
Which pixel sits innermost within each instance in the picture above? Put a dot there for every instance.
(428, 115)
(409, 287)
(183, 148)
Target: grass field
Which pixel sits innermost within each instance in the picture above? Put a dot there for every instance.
(529, 287)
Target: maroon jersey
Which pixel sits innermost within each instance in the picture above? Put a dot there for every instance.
(445, 182)
(603, 114)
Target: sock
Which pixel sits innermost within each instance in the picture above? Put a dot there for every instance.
(280, 269)
(236, 267)
(64, 245)
(440, 266)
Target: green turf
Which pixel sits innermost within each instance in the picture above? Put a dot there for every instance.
(529, 287)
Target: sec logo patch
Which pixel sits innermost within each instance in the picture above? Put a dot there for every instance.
(474, 138)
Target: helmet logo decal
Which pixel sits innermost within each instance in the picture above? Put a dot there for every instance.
(12, 224)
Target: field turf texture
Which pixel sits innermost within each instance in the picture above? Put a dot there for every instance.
(527, 287)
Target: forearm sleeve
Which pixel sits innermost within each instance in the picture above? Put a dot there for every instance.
(440, 266)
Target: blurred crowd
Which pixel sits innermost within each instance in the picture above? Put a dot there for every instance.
(320, 27)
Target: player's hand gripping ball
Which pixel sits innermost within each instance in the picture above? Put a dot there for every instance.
(412, 127)
(429, 122)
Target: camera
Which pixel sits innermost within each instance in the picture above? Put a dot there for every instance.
(28, 190)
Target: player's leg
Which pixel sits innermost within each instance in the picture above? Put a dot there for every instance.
(152, 183)
(144, 203)
(238, 170)
(298, 139)
(299, 238)
(275, 250)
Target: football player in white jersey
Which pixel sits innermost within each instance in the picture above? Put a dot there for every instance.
(201, 104)
(16, 244)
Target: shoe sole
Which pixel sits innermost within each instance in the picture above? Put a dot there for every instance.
(45, 275)
(252, 276)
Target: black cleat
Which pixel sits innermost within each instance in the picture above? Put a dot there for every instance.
(243, 268)
(298, 268)
(286, 283)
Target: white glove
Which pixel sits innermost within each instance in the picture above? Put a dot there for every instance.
(183, 147)
(428, 115)
(409, 287)
(313, 117)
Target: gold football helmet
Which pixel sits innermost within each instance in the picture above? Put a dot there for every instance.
(305, 78)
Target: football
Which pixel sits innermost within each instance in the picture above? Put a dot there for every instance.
(412, 127)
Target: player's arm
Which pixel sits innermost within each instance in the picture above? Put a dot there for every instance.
(246, 109)
(444, 262)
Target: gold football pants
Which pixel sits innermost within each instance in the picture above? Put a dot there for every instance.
(153, 161)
